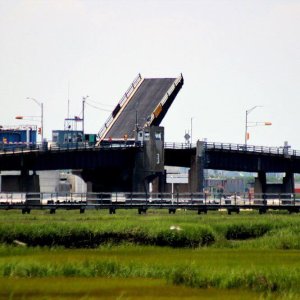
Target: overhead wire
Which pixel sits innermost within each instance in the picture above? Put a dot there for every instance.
(96, 107)
(99, 103)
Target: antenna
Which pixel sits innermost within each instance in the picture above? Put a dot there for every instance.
(68, 100)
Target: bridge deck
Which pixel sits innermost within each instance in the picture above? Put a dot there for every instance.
(148, 104)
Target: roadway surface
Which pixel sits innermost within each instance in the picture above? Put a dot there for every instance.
(234, 157)
(120, 157)
(217, 156)
(140, 107)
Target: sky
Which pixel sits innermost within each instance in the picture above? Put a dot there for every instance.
(233, 54)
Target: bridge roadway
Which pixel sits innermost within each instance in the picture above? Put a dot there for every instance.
(75, 157)
(219, 156)
(236, 157)
(200, 202)
(145, 103)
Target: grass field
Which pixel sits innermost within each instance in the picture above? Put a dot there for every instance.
(210, 256)
(111, 289)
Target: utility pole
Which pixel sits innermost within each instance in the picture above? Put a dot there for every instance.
(83, 106)
(41, 104)
(42, 121)
(191, 130)
(246, 123)
(253, 124)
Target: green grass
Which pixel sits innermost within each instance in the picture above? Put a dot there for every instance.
(210, 253)
(111, 289)
(94, 228)
(254, 270)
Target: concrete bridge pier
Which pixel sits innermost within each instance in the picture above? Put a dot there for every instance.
(260, 183)
(150, 162)
(288, 183)
(286, 187)
(196, 172)
(23, 183)
(106, 180)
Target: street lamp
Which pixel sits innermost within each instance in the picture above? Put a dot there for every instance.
(83, 106)
(41, 105)
(253, 123)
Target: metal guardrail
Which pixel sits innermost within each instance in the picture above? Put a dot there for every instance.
(67, 147)
(154, 200)
(17, 148)
(249, 148)
(127, 94)
(175, 146)
(237, 147)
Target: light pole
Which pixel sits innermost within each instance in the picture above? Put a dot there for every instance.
(248, 111)
(83, 107)
(191, 131)
(42, 115)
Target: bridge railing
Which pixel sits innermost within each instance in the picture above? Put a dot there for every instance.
(50, 146)
(165, 97)
(184, 200)
(236, 147)
(67, 147)
(252, 148)
(169, 145)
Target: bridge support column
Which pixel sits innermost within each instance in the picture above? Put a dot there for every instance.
(22, 183)
(196, 172)
(89, 187)
(288, 183)
(260, 183)
(287, 186)
(150, 162)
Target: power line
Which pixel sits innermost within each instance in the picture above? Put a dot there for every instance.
(96, 107)
(99, 103)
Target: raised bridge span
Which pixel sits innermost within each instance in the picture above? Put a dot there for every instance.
(145, 103)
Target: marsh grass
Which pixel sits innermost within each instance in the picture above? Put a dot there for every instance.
(217, 229)
(112, 288)
(256, 270)
(246, 251)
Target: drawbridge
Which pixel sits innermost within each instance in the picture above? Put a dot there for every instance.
(145, 103)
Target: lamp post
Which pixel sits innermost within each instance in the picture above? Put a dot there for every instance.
(42, 115)
(248, 111)
(191, 131)
(83, 107)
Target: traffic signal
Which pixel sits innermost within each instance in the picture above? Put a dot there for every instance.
(39, 130)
